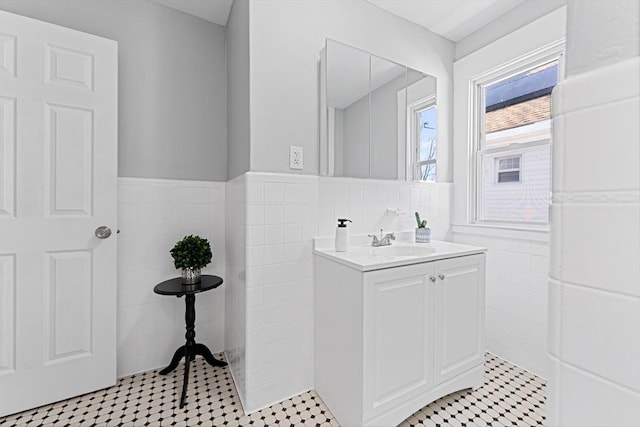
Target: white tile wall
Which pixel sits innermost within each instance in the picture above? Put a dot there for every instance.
(368, 203)
(152, 216)
(595, 277)
(237, 271)
(279, 322)
(284, 213)
(516, 298)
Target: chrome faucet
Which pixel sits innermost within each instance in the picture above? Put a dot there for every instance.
(383, 241)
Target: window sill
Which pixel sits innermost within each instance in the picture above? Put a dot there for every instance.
(538, 234)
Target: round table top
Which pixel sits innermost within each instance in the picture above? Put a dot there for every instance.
(175, 286)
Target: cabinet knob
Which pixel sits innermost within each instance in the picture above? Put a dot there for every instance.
(433, 279)
(441, 276)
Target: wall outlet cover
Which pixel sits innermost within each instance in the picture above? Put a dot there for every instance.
(295, 157)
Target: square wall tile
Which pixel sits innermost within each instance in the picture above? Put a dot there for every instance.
(273, 214)
(273, 192)
(255, 215)
(615, 168)
(273, 234)
(554, 319)
(601, 246)
(255, 235)
(255, 256)
(556, 230)
(558, 147)
(586, 400)
(292, 214)
(292, 192)
(273, 254)
(600, 334)
(292, 233)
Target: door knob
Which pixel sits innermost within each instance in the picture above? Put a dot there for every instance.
(433, 279)
(441, 276)
(103, 232)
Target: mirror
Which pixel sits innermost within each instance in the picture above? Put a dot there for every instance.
(369, 124)
(348, 110)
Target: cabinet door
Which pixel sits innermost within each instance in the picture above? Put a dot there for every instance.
(398, 331)
(459, 315)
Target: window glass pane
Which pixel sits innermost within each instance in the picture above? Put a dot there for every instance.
(518, 108)
(514, 176)
(510, 163)
(428, 172)
(427, 134)
(509, 176)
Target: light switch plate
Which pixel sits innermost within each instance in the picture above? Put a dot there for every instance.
(295, 157)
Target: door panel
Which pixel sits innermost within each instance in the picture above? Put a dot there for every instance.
(8, 54)
(68, 298)
(459, 315)
(7, 313)
(7, 156)
(58, 154)
(69, 157)
(397, 336)
(69, 67)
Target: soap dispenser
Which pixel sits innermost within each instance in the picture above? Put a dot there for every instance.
(342, 236)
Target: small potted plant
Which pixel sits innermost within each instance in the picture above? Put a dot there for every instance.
(423, 233)
(191, 254)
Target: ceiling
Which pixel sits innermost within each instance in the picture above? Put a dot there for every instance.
(216, 11)
(452, 19)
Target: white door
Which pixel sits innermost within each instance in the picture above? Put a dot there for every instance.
(459, 315)
(397, 346)
(58, 172)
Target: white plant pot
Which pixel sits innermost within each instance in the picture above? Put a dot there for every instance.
(423, 235)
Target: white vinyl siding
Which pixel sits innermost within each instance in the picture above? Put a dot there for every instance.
(526, 200)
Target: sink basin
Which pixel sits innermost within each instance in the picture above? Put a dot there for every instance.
(402, 251)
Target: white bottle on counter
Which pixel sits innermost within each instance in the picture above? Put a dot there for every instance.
(342, 236)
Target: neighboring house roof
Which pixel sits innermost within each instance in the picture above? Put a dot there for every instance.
(522, 87)
(521, 114)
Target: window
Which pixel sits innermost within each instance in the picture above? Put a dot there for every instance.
(512, 146)
(423, 144)
(508, 169)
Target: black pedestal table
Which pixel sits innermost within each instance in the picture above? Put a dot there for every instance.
(191, 348)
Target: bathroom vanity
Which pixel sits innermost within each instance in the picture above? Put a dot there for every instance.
(396, 327)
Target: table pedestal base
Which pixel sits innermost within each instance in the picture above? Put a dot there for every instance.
(191, 349)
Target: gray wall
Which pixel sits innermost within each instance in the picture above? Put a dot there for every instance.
(172, 84)
(356, 147)
(370, 139)
(286, 38)
(384, 129)
(238, 88)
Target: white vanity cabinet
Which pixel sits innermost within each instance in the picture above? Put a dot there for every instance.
(389, 341)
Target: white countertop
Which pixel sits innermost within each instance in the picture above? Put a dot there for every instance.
(403, 251)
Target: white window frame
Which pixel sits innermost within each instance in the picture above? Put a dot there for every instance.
(413, 164)
(552, 52)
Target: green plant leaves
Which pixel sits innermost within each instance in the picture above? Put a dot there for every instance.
(421, 223)
(191, 252)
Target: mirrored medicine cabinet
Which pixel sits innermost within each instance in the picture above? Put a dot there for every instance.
(377, 117)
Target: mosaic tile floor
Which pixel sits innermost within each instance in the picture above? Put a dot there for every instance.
(510, 396)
